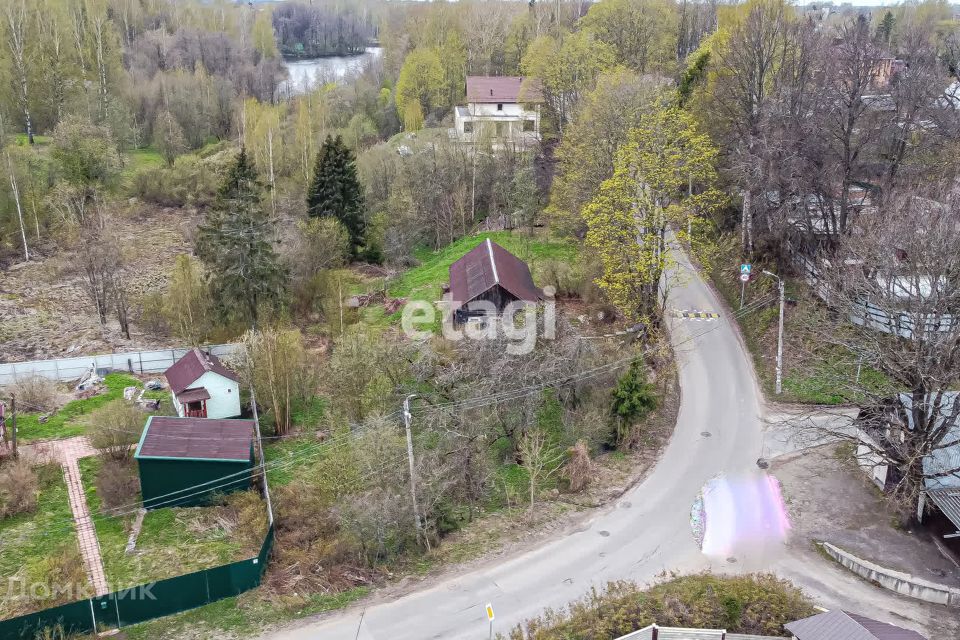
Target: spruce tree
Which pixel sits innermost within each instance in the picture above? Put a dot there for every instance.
(244, 273)
(335, 190)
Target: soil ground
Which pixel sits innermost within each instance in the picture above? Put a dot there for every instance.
(45, 313)
(831, 500)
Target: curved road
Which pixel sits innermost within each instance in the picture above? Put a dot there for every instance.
(645, 533)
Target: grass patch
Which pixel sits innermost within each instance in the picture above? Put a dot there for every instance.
(66, 422)
(424, 281)
(241, 616)
(143, 158)
(813, 373)
(173, 541)
(20, 139)
(33, 546)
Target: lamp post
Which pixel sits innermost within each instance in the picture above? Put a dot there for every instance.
(780, 285)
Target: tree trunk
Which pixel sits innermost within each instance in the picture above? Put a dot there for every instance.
(746, 223)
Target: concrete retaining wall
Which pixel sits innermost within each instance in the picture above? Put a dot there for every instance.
(902, 583)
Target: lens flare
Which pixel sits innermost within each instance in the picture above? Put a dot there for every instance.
(740, 513)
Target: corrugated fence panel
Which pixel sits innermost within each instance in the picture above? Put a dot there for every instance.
(75, 617)
(146, 602)
(63, 369)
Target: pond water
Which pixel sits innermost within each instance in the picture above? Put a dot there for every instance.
(307, 74)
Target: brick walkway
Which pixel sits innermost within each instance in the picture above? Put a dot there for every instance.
(67, 452)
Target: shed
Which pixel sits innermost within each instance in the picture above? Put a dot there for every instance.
(183, 461)
(201, 386)
(841, 625)
(491, 274)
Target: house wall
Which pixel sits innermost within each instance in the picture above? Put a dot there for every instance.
(487, 120)
(161, 478)
(224, 399)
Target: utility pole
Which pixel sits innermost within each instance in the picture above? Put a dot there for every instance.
(13, 423)
(413, 483)
(256, 425)
(780, 284)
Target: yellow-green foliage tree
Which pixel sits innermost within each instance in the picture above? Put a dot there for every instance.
(421, 82)
(567, 68)
(586, 155)
(650, 189)
(274, 361)
(643, 33)
(262, 33)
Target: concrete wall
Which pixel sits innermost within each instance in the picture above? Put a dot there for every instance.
(141, 362)
(902, 583)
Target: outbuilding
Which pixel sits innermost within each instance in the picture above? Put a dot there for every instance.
(201, 386)
(184, 461)
(842, 625)
(489, 274)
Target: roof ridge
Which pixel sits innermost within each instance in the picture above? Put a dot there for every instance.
(493, 262)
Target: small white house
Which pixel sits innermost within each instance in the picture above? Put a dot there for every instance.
(502, 109)
(202, 387)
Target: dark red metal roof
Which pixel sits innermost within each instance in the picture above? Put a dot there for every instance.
(841, 625)
(508, 89)
(191, 366)
(485, 266)
(193, 395)
(196, 439)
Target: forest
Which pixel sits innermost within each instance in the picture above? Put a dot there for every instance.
(160, 189)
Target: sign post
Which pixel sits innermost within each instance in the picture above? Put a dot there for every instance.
(745, 270)
(490, 617)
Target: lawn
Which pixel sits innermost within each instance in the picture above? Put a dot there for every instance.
(67, 421)
(143, 158)
(21, 140)
(40, 548)
(242, 616)
(172, 542)
(424, 281)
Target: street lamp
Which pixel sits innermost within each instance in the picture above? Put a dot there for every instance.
(780, 285)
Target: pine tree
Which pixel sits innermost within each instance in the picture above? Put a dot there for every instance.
(244, 272)
(335, 190)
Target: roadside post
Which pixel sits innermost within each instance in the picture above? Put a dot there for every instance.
(490, 618)
(745, 270)
(780, 285)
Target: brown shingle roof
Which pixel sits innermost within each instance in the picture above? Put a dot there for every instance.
(508, 89)
(486, 265)
(840, 625)
(196, 439)
(191, 366)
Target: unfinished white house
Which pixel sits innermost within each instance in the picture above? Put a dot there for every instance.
(501, 109)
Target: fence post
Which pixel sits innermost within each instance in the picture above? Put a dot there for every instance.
(140, 358)
(56, 369)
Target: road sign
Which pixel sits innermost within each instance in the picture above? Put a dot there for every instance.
(745, 268)
(490, 615)
(744, 277)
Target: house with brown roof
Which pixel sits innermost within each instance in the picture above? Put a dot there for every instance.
(184, 461)
(201, 386)
(486, 279)
(501, 109)
(841, 625)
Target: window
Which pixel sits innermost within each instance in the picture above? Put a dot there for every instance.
(529, 125)
(468, 126)
(499, 106)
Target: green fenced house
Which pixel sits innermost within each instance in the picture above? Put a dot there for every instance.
(184, 461)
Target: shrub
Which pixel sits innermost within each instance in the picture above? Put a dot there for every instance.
(633, 400)
(115, 428)
(117, 483)
(36, 393)
(578, 470)
(18, 489)
(750, 604)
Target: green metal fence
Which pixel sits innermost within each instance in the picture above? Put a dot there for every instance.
(148, 601)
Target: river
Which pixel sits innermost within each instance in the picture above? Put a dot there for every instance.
(307, 74)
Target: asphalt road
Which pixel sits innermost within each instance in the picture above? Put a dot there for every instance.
(645, 533)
